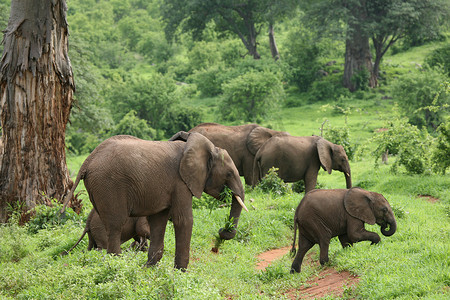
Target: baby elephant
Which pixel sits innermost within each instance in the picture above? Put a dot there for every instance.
(135, 227)
(324, 214)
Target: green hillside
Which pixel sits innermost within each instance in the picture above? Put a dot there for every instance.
(131, 80)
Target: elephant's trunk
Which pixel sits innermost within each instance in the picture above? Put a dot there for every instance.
(392, 228)
(348, 179)
(230, 231)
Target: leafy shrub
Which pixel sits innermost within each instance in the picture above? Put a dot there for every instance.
(416, 91)
(341, 136)
(47, 216)
(410, 145)
(271, 183)
(360, 79)
(440, 58)
(441, 152)
(152, 98)
(209, 81)
(302, 57)
(182, 118)
(328, 88)
(251, 96)
(132, 125)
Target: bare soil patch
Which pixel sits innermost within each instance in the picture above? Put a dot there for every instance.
(429, 198)
(328, 282)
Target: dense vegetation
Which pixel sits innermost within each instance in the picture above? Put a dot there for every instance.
(131, 80)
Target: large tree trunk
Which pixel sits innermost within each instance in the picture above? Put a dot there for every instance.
(36, 90)
(357, 51)
(273, 44)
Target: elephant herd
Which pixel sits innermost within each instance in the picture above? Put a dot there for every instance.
(136, 186)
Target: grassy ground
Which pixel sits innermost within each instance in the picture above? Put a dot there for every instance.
(414, 263)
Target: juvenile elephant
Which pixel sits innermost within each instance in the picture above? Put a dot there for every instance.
(324, 214)
(136, 228)
(300, 157)
(126, 176)
(242, 142)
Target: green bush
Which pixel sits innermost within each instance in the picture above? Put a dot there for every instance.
(271, 183)
(302, 58)
(341, 136)
(441, 152)
(410, 145)
(132, 125)
(209, 81)
(327, 89)
(440, 58)
(251, 97)
(48, 216)
(417, 91)
(182, 118)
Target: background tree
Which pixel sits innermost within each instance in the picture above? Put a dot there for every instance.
(36, 88)
(244, 18)
(382, 21)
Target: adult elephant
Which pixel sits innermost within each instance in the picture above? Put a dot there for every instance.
(300, 158)
(242, 143)
(126, 176)
(324, 214)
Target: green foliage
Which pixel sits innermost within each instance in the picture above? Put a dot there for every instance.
(132, 125)
(440, 57)
(251, 96)
(441, 153)
(152, 98)
(48, 216)
(327, 89)
(360, 79)
(302, 58)
(182, 118)
(416, 91)
(410, 145)
(271, 183)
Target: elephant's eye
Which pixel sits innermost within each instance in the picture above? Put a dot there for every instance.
(384, 209)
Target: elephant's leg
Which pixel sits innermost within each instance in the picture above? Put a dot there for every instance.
(183, 232)
(310, 179)
(324, 244)
(158, 223)
(303, 246)
(114, 232)
(345, 241)
(357, 233)
(248, 172)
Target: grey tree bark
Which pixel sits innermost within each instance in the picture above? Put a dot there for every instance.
(36, 92)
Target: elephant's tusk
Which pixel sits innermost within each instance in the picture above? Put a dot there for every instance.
(347, 174)
(241, 202)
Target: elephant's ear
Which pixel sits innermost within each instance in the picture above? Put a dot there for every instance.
(325, 154)
(258, 136)
(357, 203)
(194, 163)
(180, 136)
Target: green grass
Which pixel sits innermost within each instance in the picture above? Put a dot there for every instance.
(414, 263)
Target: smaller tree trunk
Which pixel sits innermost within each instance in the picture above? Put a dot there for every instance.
(273, 44)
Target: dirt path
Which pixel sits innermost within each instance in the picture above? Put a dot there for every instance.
(328, 282)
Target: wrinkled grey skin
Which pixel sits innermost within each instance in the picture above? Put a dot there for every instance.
(324, 214)
(242, 142)
(126, 176)
(300, 158)
(136, 228)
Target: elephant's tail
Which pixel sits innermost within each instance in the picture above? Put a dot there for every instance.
(80, 176)
(293, 250)
(65, 252)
